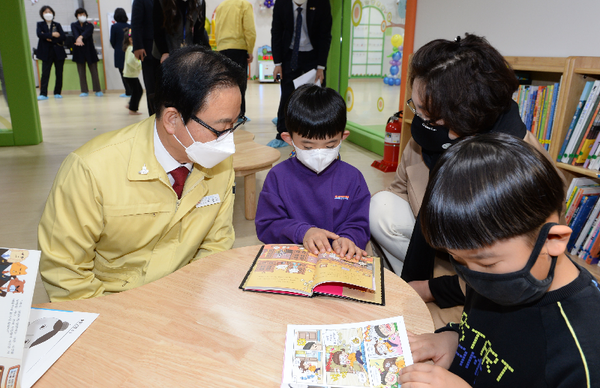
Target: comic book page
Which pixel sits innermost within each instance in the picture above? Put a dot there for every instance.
(49, 335)
(18, 273)
(293, 269)
(366, 354)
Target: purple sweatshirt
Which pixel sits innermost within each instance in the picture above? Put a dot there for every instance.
(295, 199)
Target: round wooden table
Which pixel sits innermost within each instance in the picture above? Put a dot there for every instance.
(196, 328)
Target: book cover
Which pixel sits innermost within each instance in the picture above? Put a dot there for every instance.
(582, 101)
(18, 274)
(587, 204)
(588, 140)
(553, 111)
(585, 231)
(291, 269)
(579, 194)
(363, 354)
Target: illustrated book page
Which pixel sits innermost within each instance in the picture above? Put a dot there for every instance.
(294, 270)
(365, 354)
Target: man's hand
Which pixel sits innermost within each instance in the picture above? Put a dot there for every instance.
(438, 347)
(277, 72)
(164, 57)
(79, 41)
(316, 240)
(55, 34)
(140, 54)
(422, 288)
(427, 375)
(320, 76)
(250, 58)
(346, 247)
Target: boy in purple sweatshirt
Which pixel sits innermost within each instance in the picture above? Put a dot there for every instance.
(314, 198)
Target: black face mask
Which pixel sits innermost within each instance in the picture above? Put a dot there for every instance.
(433, 141)
(515, 288)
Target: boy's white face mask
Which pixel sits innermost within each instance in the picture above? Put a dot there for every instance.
(318, 159)
(211, 153)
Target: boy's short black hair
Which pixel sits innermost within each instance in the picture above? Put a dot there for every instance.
(489, 188)
(189, 75)
(120, 16)
(467, 83)
(44, 8)
(314, 112)
(79, 11)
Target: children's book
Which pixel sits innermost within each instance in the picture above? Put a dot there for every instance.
(365, 354)
(291, 269)
(582, 101)
(18, 273)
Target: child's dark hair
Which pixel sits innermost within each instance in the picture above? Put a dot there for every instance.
(126, 37)
(467, 83)
(314, 112)
(489, 188)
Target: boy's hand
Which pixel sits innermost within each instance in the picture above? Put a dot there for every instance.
(427, 375)
(438, 347)
(346, 247)
(316, 240)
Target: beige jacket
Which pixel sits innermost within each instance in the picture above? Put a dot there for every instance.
(412, 174)
(113, 222)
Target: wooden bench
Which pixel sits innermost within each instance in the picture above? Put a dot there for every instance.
(250, 158)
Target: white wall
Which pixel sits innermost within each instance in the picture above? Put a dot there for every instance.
(546, 28)
(113, 78)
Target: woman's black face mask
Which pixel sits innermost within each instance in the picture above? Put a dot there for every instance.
(432, 138)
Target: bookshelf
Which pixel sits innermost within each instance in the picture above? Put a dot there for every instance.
(572, 73)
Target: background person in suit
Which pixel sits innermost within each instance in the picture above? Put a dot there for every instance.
(84, 52)
(142, 35)
(117, 35)
(50, 50)
(293, 55)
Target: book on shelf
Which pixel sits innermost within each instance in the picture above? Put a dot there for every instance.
(582, 101)
(578, 195)
(536, 107)
(582, 123)
(580, 218)
(291, 269)
(583, 241)
(364, 354)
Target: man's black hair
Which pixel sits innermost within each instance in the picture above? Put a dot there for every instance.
(189, 75)
(489, 188)
(314, 112)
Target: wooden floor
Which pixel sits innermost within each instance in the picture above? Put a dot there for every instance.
(27, 172)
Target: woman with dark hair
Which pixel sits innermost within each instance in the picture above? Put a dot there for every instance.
(178, 23)
(50, 50)
(84, 52)
(459, 88)
(117, 34)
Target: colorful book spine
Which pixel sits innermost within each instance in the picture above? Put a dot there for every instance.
(582, 100)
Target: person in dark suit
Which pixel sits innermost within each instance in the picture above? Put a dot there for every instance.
(50, 50)
(312, 47)
(117, 34)
(84, 52)
(142, 34)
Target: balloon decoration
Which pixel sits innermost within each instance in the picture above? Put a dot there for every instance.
(395, 62)
(269, 3)
(264, 5)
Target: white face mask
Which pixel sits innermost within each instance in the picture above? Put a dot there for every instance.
(318, 159)
(211, 153)
(82, 19)
(48, 17)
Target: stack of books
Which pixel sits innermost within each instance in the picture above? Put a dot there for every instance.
(580, 147)
(537, 107)
(582, 215)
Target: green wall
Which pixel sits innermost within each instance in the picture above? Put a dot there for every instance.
(18, 74)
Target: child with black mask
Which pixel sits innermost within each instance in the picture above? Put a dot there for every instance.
(530, 312)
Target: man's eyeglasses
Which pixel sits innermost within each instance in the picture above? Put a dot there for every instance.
(426, 123)
(241, 121)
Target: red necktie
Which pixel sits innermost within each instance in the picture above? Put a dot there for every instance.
(179, 175)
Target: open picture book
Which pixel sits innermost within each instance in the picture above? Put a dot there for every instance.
(291, 269)
(364, 354)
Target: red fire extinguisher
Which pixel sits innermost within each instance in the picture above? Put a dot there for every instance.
(391, 149)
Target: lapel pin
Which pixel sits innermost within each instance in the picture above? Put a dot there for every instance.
(144, 170)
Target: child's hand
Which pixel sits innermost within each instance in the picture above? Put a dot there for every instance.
(427, 375)
(346, 247)
(438, 347)
(317, 240)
